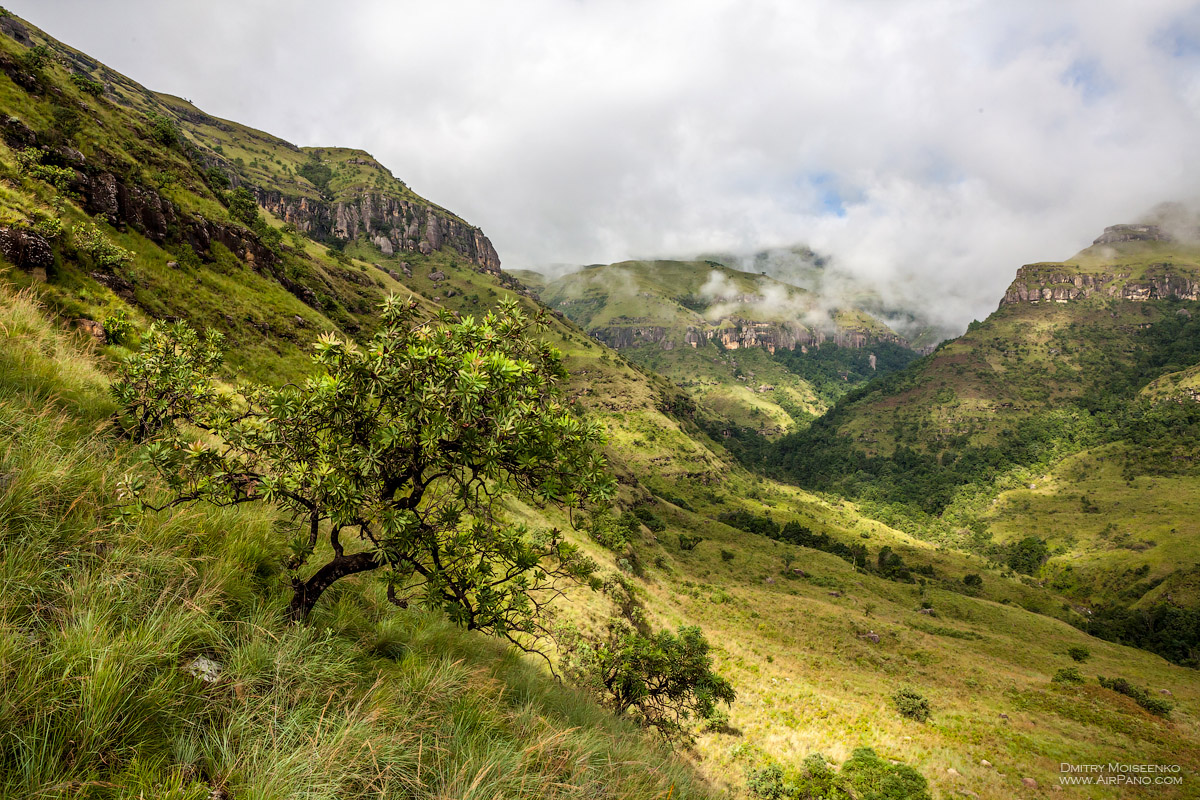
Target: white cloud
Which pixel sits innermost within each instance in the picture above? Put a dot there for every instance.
(930, 147)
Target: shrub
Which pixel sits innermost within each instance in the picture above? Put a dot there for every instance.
(867, 775)
(91, 240)
(1068, 675)
(242, 206)
(864, 775)
(972, 581)
(162, 129)
(87, 85)
(1027, 555)
(911, 704)
(751, 523)
(47, 226)
(216, 178)
(1078, 653)
(607, 531)
(35, 58)
(29, 162)
(767, 783)
(726, 555)
(117, 327)
(1142, 697)
(649, 519)
(661, 680)
(689, 542)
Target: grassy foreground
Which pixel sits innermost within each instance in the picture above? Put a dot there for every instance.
(99, 622)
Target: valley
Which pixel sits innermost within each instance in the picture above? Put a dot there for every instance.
(850, 516)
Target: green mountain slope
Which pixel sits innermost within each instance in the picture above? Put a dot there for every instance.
(1089, 360)
(100, 620)
(720, 334)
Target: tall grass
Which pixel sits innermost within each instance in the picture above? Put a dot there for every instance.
(99, 620)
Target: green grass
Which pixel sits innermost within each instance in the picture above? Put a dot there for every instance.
(100, 620)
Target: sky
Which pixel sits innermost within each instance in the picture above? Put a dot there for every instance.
(929, 148)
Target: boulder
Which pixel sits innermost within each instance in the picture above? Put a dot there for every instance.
(437, 276)
(93, 329)
(1030, 782)
(204, 669)
(984, 763)
(25, 249)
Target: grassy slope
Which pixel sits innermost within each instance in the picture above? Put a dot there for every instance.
(99, 620)
(1035, 364)
(205, 583)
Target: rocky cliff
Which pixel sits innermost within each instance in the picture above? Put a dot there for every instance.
(1127, 262)
(1035, 284)
(736, 333)
(391, 224)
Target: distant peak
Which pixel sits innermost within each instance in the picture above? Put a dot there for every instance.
(1133, 233)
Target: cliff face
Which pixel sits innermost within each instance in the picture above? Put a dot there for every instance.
(736, 333)
(392, 225)
(1034, 284)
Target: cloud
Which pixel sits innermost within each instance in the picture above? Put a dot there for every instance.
(929, 147)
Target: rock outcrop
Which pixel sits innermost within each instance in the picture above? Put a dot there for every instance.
(393, 225)
(1035, 284)
(1132, 233)
(736, 333)
(25, 249)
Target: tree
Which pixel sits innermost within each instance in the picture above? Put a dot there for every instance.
(662, 680)
(407, 446)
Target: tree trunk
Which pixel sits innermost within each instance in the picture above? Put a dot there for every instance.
(306, 593)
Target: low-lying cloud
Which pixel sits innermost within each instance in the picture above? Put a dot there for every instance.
(929, 147)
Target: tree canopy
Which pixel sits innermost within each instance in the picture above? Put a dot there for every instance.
(399, 453)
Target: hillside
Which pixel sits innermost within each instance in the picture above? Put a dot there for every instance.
(117, 210)
(1070, 403)
(721, 335)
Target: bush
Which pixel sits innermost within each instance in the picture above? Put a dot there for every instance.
(607, 531)
(864, 775)
(29, 162)
(117, 327)
(661, 680)
(216, 178)
(162, 129)
(648, 518)
(1067, 675)
(726, 555)
(35, 58)
(1027, 555)
(87, 85)
(869, 776)
(91, 240)
(1078, 653)
(751, 523)
(1142, 697)
(689, 542)
(911, 705)
(973, 581)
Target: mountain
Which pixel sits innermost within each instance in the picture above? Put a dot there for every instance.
(721, 335)
(838, 286)
(117, 209)
(1069, 413)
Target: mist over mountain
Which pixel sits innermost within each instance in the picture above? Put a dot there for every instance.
(927, 148)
